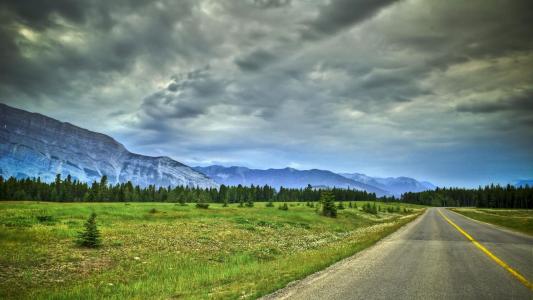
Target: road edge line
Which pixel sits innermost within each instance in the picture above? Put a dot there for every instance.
(500, 262)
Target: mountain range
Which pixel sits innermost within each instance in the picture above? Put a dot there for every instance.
(394, 185)
(33, 145)
(292, 178)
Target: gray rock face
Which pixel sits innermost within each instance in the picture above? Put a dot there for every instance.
(33, 145)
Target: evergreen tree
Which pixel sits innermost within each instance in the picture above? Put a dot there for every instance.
(328, 204)
(90, 236)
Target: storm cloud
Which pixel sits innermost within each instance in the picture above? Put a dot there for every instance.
(439, 91)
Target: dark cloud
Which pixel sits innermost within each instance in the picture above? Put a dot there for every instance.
(188, 95)
(68, 37)
(272, 3)
(340, 14)
(255, 61)
(522, 103)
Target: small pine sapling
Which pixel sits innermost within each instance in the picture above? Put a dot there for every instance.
(90, 236)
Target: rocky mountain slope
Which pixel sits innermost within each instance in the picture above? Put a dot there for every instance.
(33, 145)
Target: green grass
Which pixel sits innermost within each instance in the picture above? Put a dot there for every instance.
(175, 251)
(515, 219)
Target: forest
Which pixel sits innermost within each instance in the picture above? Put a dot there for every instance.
(491, 196)
(69, 190)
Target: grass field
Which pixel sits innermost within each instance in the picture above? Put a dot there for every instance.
(175, 251)
(516, 219)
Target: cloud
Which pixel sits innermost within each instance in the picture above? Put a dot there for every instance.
(416, 88)
(522, 103)
(272, 3)
(340, 14)
(255, 61)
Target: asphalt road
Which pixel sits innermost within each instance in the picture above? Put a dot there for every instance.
(427, 259)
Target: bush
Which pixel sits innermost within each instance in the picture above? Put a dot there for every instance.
(202, 202)
(153, 211)
(90, 236)
(283, 207)
(270, 203)
(340, 205)
(45, 219)
(202, 205)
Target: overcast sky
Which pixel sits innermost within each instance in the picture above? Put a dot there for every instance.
(436, 90)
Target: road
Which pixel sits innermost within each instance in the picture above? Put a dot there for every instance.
(428, 259)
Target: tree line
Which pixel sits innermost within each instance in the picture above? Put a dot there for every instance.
(493, 196)
(70, 190)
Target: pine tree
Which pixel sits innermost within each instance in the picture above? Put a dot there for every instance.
(328, 204)
(90, 237)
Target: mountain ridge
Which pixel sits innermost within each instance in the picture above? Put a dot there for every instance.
(234, 175)
(34, 145)
(286, 177)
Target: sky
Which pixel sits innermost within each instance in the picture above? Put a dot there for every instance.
(435, 90)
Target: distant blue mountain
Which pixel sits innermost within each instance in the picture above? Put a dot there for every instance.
(524, 182)
(288, 177)
(394, 185)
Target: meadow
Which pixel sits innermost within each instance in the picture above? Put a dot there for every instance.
(166, 250)
(520, 220)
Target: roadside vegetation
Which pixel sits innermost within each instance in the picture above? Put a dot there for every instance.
(178, 250)
(520, 220)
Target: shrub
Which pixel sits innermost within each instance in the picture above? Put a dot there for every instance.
(202, 202)
(153, 211)
(45, 219)
(202, 205)
(340, 205)
(90, 236)
(284, 206)
(270, 203)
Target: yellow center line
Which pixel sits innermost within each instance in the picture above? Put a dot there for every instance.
(513, 272)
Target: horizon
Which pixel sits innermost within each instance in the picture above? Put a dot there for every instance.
(439, 92)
